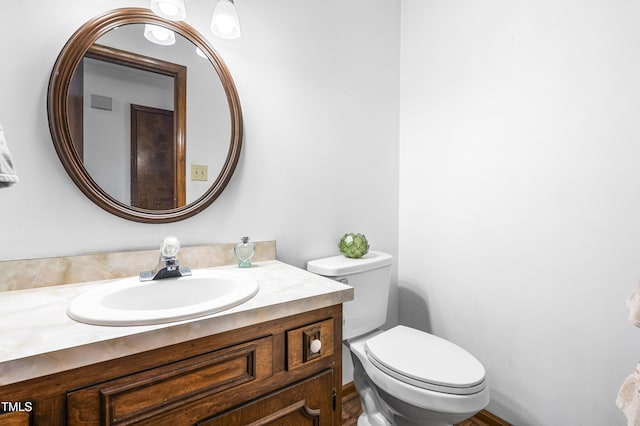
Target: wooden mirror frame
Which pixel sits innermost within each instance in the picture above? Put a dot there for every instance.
(57, 104)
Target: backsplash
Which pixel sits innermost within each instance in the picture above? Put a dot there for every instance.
(33, 273)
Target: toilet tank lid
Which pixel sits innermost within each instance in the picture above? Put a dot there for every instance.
(335, 266)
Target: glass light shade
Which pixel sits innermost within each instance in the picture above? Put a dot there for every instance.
(225, 22)
(173, 10)
(159, 35)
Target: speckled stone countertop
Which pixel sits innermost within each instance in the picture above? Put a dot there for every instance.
(38, 338)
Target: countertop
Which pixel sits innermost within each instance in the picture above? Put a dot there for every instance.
(38, 338)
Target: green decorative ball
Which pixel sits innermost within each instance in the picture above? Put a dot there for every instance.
(353, 245)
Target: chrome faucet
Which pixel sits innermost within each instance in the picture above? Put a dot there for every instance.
(168, 266)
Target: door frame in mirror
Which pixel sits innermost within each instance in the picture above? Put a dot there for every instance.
(57, 109)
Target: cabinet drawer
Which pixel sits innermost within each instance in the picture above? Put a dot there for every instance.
(310, 343)
(149, 393)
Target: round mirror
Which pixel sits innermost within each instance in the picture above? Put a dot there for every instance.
(144, 116)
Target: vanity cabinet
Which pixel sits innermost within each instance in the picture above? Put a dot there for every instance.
(285, 371)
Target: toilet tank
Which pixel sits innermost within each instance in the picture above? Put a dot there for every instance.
(370, 277)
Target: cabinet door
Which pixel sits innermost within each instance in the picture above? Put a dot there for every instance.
(310, 402)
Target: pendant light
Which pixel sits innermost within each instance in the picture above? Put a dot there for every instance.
(225, 23)
(159, 35)
(173, 10)
(200, 53)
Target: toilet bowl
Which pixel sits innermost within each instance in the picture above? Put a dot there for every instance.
(423, 379)
(404, 376)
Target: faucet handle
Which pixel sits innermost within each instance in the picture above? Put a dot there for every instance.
(170, 247)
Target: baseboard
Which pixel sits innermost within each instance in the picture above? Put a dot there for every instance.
(349, 392)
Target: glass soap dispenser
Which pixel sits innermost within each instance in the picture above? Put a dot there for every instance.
(244, 251)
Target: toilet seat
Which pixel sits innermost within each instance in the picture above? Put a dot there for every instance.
(426, 361)
(436, 401)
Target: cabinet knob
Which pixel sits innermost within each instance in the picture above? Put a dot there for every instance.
(315, 346)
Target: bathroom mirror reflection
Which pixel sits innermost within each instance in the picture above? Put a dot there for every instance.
(130, 117)
(139, 102)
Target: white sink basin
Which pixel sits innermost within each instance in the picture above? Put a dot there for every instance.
(131, 302)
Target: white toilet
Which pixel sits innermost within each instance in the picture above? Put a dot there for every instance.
(404, 376)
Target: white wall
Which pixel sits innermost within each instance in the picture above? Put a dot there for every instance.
(319, 92)
(520, 196)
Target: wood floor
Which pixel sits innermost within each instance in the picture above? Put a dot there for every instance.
(351, 409)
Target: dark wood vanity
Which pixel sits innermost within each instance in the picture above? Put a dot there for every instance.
(261, 374)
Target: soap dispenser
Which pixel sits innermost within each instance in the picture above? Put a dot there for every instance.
(244, 251)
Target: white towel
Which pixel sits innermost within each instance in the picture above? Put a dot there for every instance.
(628, 399)
(7, 172)
(633, 303)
